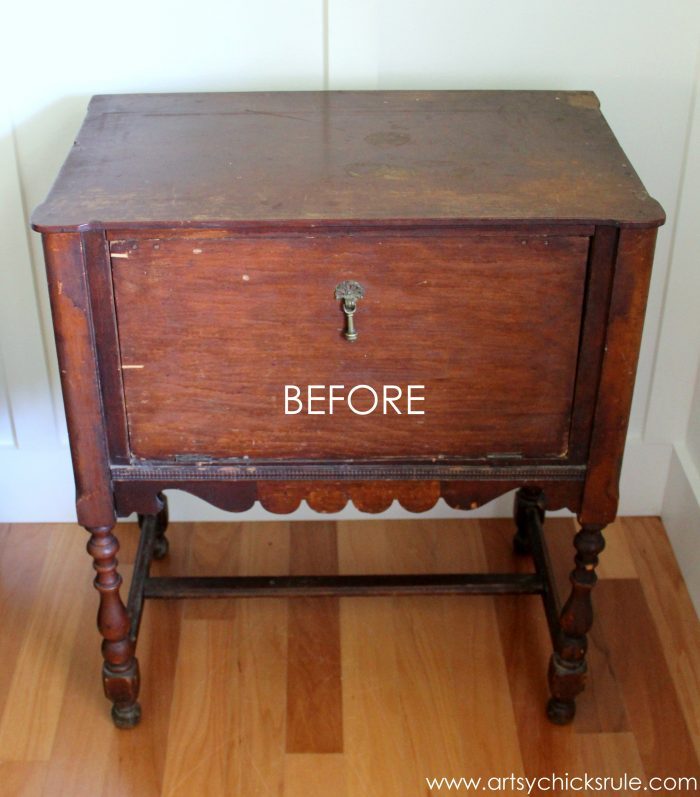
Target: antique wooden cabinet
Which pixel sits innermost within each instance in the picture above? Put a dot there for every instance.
(368, 296)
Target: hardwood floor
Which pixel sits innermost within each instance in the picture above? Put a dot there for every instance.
(347, 697)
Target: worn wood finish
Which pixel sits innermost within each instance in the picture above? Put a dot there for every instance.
(282, 497)
(568, 667)
(601, 709)
(595, 317)
(430, 302)
(120, 672)
(67, 275)
(232, 159)
(193, 244)
(349, 585)
(75, 339)
(623, 338)
(96, 249)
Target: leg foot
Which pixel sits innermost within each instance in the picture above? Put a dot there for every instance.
(560, 712)
(126, 716)
(567, 667)
(526, 500)
(120, 673)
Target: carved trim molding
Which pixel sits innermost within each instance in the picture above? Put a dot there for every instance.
(339, 471)
(283, 497)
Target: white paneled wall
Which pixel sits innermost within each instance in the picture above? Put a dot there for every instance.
(681, 508)
(641, 57)
(7, 439)
(674, 408)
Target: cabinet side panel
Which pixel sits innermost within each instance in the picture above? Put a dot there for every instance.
(595, 316)
(628, 299)
(104, 325)
(70, 307)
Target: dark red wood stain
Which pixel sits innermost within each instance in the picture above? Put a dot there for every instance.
(225, 159)
(453, 315)
(504, 243)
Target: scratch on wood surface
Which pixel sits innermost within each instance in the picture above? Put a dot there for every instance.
(120, 254)
(124, 367)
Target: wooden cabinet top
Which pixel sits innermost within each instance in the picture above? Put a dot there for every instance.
(297, 159)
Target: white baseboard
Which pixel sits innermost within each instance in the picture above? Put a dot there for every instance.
(37, 486)
(681, 517)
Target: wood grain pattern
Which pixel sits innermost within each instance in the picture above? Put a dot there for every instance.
(670, 606)
(23, 779)
(314, 694)
(430, 302)
(22, 556)
(375, 726)
(215, 549)
(227, 735)
(595, 317)
(373, 495)
(622, 341)
(233, 549)
(611, 754)
(67, 277)
(441, 649)
(373, 155)
(418, 675)
(250, 679)
(258, 730)
(96, 249)
(31, 713)
(195, 764)
(630, 631)
(315, 775)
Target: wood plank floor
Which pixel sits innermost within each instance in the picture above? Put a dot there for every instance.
(351, 696)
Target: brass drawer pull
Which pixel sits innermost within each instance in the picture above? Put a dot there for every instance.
(349, 292)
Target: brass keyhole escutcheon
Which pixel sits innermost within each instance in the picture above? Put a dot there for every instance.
(349, 293)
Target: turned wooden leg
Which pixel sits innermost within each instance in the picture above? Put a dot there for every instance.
(526, 499)
(120, 672)
(567, 667)
(160, 542)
